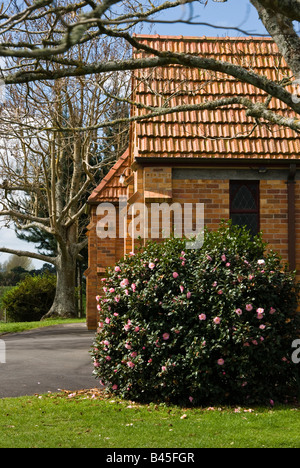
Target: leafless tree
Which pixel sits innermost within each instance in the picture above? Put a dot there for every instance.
(46, 174)
(44, 53)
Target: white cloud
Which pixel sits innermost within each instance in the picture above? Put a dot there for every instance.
(9, 240)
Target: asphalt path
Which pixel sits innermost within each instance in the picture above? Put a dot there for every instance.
(47, 360)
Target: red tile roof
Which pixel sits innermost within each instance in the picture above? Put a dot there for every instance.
(110, 188)
(221, 133)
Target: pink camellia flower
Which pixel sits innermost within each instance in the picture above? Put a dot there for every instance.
(117, 298)
(163, 368)
(260, 313)
(98, 298)
(181, 288)
(100, 324)
(108, 358)
(150, 360)
(202, 317)
(272, 311)
(133, 287)
(116, 314)
(217, 320)
(188, 294)
(117, 268)
(261, 262)
(133, 354)
(137, 329)
(191, 399)
(106, 343)
(175, 275)
(209, 258)
(98, 307)
(111, 290)
(238, 311)
(107, 320)
(114, 387)
(105, 289)
(228, 264)
(130, 364)
(151, 265)
(220, 292)
(249, 307)
(255, 342)
(96, 364)
(126, 292)
(221, 362)
(262, 327)
(127, 346)
(223, 258)
(166, 336)
(215, 284)
(124, 283)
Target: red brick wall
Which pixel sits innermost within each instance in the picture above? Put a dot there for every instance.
(103, 253)
(214, 194)
(274, 215)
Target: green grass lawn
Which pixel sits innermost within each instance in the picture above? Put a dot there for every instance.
(90, 420)
(16, 327)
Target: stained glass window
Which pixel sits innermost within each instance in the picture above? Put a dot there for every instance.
(244, 204)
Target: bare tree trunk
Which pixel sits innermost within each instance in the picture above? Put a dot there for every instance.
(64, 304)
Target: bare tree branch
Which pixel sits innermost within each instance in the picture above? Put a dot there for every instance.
(24, 253)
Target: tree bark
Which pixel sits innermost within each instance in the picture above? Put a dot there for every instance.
(64, 304)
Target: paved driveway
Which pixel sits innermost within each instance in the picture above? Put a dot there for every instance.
(47, 359)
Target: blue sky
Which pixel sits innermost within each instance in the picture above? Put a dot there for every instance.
(233, 13)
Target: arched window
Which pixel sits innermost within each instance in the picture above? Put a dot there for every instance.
(244, 204)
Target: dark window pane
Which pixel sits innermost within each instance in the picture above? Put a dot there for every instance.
(243, 199)
(244, 204)
(248, 220)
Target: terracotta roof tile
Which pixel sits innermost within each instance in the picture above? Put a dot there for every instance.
(110, 187)
(210, 134)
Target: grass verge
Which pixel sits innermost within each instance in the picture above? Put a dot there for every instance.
(89, 419)
(16, 327)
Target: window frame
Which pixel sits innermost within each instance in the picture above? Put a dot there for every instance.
(256, 196)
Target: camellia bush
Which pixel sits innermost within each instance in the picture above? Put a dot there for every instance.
(212, 325)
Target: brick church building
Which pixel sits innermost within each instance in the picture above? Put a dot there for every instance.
(236, 166)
